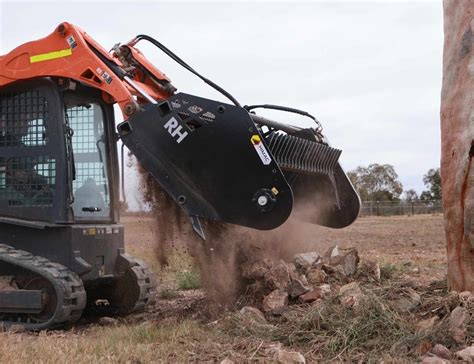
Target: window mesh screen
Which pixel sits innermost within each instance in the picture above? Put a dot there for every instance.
(23, 118)
(90, 185)
(81, 120)
(27, 181)
(87, 170)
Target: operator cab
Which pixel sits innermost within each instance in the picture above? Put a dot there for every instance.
(56, 162)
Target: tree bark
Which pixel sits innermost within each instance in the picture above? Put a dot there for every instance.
(457, 141)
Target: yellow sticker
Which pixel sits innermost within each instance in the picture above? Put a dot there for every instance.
(261, 150)
(255, 139)
(275, 191)
(91, 231)
(51, 55)
(102, 271)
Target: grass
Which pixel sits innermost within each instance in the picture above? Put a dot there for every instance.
(372, 333)
(331, 331)
(390, 270)
(189, 279)
(164, 342)
(180, 273)
(168, 294)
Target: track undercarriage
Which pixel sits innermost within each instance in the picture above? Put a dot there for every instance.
(39, 294)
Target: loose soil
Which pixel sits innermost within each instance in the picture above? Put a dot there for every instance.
(181, 328)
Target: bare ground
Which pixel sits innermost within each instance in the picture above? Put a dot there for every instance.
(179, 328)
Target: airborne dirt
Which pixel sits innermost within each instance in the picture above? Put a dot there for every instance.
(228, 247)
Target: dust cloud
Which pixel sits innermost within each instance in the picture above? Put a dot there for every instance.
(227, 247)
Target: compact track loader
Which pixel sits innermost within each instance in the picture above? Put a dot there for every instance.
(61, 244)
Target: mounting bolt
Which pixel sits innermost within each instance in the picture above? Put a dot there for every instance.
(62, 30)
(221, 109)
(262, 200)
(265, 200)
(181, 199)
(130, 109)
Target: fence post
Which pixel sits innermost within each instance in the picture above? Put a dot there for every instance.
(412, 208)
(378, 212)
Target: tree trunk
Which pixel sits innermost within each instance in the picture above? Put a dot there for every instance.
(457, 141)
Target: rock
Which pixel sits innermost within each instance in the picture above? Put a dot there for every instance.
(426, 325)
(292, 270)
(316, 276)
(297, 288)
(423, 347)
(304, 261)
(371, 270)
(108, 321)
(336, 273)
(408, 303)
(255, 270)
(332, 252)
(466, 354)
(290, 357)
(350, 295)
(458, 321)
(433, 360)
(16, 329)
(466, 296)
(441, 351)
(348, 259)
(325, 289)
(414, 296)
(311, 296)
(275, 301)
(278, 276)
(253, 313)
(227, 361)
(315, 294)
(255, 288)
(403, 305)
(303, 279)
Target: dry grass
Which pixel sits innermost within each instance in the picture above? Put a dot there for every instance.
(169, 342)
(329, 332)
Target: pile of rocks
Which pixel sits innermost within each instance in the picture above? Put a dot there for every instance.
(457, 329)
(306, 280)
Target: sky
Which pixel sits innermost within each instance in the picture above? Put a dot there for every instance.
(370, 71)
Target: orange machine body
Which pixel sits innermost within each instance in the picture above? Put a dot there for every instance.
(68, 52)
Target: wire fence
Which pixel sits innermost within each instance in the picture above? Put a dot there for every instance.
(388, 208)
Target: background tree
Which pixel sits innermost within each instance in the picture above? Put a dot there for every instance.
(410, 195)
(377, 182)
(457, 151)
(432, 180)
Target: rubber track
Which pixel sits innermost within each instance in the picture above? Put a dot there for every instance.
(70, 291)
(146, 280)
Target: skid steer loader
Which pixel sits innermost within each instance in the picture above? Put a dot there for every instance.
(61, 243)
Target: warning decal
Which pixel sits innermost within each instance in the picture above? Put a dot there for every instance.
(261, 150)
